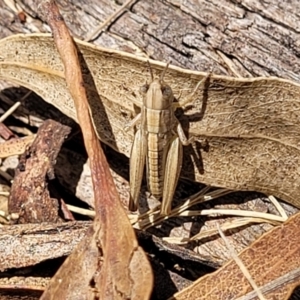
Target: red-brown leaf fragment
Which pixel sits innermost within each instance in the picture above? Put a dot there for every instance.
(125, 272)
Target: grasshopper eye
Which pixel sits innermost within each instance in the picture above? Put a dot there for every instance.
(166, 91)
(144, 88)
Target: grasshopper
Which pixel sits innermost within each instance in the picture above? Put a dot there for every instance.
(158, 143)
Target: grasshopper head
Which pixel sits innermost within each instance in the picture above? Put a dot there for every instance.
(157, 95)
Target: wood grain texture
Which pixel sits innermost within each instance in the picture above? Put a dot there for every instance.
(259, 39)
(43, 241)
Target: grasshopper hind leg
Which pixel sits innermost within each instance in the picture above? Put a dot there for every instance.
(137, 163)
(172, 172)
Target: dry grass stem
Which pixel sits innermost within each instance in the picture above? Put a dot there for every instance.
(82, 211)
(14, 107)
(280, 209)
(232, 212)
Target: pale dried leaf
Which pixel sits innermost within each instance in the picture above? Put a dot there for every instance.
(15, 146)
(251, 124)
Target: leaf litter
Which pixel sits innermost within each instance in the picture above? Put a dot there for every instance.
(208, 136)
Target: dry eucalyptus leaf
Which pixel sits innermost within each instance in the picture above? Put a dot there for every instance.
(74, 278)
(251, 125)
(275, 254)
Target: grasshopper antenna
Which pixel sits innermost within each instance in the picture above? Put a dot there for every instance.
(164, 72)
(151, 71)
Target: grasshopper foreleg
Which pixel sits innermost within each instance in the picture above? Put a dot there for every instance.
(191, 97)
(133, 122)
(184, 140)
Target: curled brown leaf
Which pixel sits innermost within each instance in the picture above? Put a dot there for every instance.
(124, 272)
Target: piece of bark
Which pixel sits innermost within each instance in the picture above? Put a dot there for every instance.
(257, 39)
(29, 280)
(5, 132)
(24, 295)
(25, 245)
(30, 198)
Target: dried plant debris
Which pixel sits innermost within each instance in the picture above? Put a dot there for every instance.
(100, 271)
(29, 199)
(273, 262)
(237, 116)
(15, 146)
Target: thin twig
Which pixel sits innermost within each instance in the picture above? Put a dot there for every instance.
(82, 211)
(232, 212)
(13, 108)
